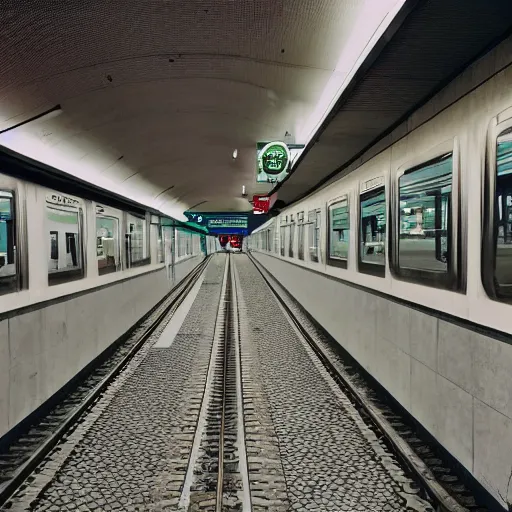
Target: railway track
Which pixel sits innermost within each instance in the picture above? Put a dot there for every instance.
(217, 478)
(440, 479)
(20, 456)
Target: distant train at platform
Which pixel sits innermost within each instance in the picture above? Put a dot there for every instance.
(232, 243)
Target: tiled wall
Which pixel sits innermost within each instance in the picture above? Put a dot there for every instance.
(456, 382)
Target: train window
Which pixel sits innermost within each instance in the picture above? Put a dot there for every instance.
(8, 263)
(503, 215)
(179, 243)
(64, 220)
(339, 233)
(300, 235)
(292, 236)
(107, 243)
(136, 241)
(314, 235)
(180, 236)
(167, 232)
(425, 194)
(184, 243)
(372, 232)
(160, 245)
(282, 234)
(188, 244)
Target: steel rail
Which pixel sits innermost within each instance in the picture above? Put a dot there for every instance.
(225, 342)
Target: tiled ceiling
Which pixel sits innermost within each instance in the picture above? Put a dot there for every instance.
(156, 94)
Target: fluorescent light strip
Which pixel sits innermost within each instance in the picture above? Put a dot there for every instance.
(48, 114)
(335, 87)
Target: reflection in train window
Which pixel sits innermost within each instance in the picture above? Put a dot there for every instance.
(182, 242)
(425, 216)
(503, 211)
(180, 237)
(314, 235)
(107, 244)
(339, 232)
(300, 235)
(64, 249)
(372, 228)
(54, 245)
(8, 266)
(188, 244)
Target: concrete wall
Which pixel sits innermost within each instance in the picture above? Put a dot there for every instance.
(456, 382)
(41, 350)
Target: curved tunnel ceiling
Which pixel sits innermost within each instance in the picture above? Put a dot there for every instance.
(156, 95)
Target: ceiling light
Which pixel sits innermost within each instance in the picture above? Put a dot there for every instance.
(235, 154)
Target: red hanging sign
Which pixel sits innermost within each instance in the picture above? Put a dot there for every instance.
(262, 204)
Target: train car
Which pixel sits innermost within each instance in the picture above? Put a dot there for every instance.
(231, 243)
(406, 260)
(236, 242)
(76, 273)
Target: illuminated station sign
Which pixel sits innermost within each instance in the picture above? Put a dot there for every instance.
(227, 222)
(274, 160)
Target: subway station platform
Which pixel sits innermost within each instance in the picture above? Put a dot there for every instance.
(254, 255)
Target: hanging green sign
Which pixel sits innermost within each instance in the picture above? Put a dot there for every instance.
(273, 161)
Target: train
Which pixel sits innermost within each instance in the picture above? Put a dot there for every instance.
(231, 243)
(49, 238)
(406, 260)
(79, 268)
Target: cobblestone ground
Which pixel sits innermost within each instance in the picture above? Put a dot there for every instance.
(133, 454)
(307, 447)
(330, 460)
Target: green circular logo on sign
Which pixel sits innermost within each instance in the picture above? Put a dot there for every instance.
(274, 158)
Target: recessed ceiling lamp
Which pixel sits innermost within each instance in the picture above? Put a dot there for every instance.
(235, 154)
